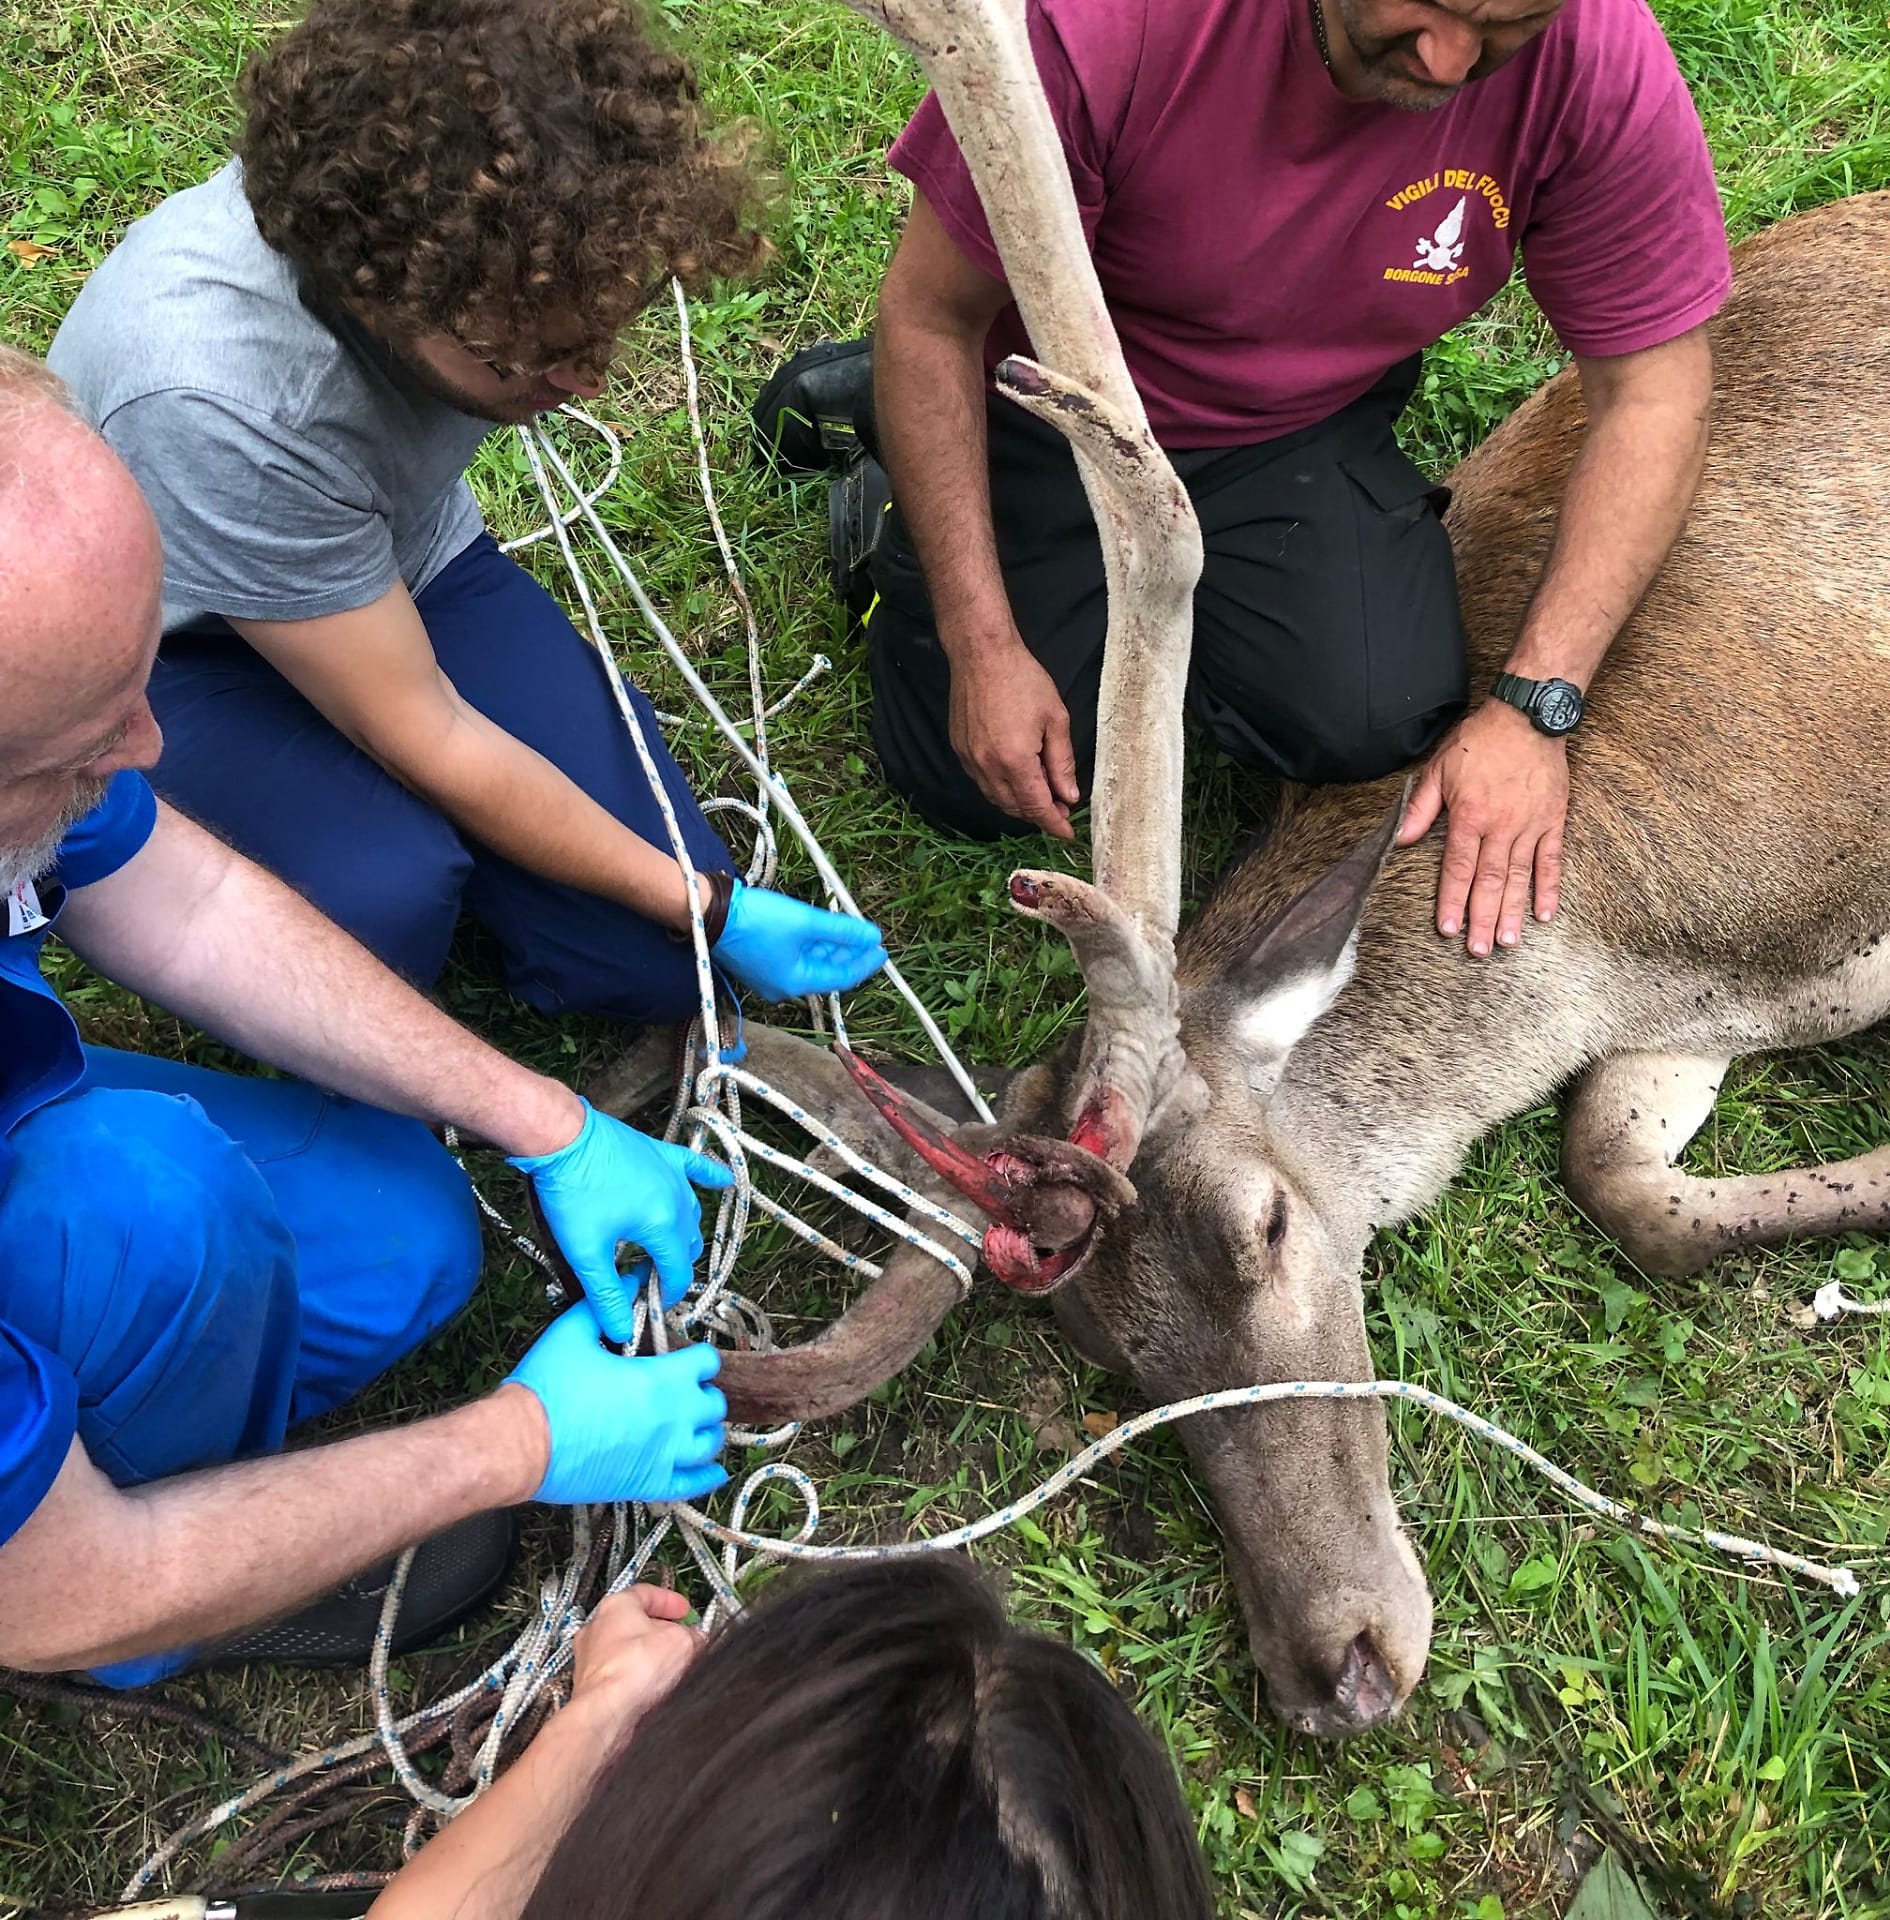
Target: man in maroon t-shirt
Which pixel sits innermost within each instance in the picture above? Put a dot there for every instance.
(1287, 200)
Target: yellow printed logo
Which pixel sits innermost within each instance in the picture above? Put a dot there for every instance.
(1464, 181)
(1439, 257)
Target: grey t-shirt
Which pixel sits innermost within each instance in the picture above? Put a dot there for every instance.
(294, 469)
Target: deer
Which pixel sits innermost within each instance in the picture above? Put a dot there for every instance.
(1196, 1178)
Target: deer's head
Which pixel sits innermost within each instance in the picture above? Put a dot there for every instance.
(1239, 1263)
(1217, 1254)
(1231, 1261)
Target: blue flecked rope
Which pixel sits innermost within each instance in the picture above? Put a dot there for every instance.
(1841, 1580)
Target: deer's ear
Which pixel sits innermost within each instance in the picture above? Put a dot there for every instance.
(1298, 964)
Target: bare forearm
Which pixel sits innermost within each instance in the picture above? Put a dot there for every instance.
(929, 401)
(184, 1560)
(485, 1865)
(1627, 501)
(371, 672)
(250, 961)
(512, 799)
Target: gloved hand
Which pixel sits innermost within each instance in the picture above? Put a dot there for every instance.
(784, 949)
(613, 1183)
(646, 1428)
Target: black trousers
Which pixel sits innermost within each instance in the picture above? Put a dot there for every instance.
(1328, 643)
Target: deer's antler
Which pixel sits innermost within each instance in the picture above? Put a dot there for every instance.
(977, 55)
(1046, 1198)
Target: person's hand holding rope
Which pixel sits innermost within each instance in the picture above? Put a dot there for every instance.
(783, 949)
(631, 1652)
(646, 1427)
(612, 1184)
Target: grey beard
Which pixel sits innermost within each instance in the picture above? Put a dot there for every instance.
(29, 862)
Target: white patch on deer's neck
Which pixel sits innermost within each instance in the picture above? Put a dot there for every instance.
(1268, 1029)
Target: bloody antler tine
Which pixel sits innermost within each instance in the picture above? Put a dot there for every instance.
(979, 1183)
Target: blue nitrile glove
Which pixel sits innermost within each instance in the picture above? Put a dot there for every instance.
(612, 1184)
(643, 1428)
(784, 949)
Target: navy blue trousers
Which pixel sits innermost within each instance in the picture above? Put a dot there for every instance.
(218, 1259)
(247, 756)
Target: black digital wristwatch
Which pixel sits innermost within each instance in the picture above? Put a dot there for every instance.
(1554, 707)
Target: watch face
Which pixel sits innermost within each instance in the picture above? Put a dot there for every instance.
(1559, 709)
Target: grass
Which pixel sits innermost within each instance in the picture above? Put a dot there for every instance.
(1730, 1735)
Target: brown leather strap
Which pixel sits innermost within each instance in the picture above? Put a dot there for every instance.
(718, 890)
(715, 908)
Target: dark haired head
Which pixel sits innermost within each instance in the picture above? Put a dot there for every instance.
(881, 1742)
(492, 170)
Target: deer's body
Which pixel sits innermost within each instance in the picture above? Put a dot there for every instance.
(1727, 890)
(1728, 857)
(1315, 1062)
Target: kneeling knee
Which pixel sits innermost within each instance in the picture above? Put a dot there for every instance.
(402, 900)
(138, 1158)
(152, 1190)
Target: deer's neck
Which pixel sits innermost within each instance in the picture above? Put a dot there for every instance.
(1425, 1052)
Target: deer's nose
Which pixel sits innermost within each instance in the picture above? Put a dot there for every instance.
(1364, 1694)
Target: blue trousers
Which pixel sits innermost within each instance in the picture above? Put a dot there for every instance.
(219, 1259)
(245, 754)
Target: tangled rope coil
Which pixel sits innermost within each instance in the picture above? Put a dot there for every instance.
(481, 1723)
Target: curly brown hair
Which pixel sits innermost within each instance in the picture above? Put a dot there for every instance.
(481, 167)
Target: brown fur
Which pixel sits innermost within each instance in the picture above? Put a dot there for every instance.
(1727, 887)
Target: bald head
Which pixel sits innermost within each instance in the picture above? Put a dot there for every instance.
(80, 578)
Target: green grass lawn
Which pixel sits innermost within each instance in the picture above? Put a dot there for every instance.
(1729, 1735)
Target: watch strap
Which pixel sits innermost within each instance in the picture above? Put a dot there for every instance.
(1552, 707)
(1516, 691)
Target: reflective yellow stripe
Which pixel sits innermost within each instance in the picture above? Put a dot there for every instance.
(870, 611)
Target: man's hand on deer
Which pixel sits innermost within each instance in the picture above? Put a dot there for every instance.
(1011, 730)
(1504, 787)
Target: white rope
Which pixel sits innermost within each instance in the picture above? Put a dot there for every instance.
(1841, 1580)
(562, 517)
(709, 1105)
(1831, 1302)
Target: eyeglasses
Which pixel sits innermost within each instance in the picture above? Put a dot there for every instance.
(525, 370)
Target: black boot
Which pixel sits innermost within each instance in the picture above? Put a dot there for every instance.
(816, 410)
(858, 501)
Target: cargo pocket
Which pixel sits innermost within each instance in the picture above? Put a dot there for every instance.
(1417, 676)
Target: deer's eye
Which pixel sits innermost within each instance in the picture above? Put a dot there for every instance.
(1276, 1221)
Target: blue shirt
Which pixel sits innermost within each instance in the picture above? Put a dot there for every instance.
(40, 1059)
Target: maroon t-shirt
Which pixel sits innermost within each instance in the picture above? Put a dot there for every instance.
(1269, 247)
